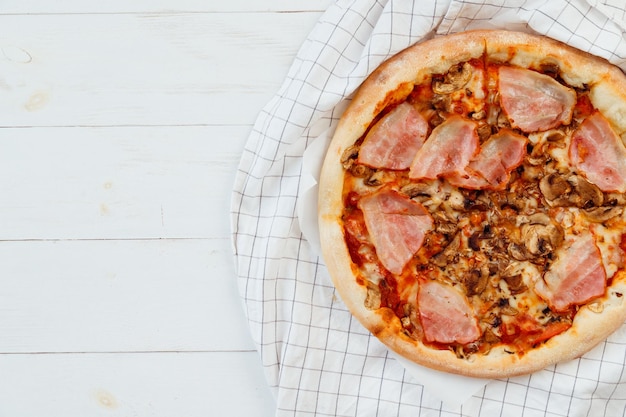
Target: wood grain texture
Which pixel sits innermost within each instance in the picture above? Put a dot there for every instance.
(118, 182)
(121, 385)
(121, 128)
(144, 69)
(120, 296)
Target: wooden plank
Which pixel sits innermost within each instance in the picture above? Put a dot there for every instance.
(118, 183)
(162, 6)
(120, 296)
(155, 385)
(144, 69)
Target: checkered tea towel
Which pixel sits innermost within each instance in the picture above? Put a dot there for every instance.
(318, 359)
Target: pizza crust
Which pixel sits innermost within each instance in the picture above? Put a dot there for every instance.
(392, 82)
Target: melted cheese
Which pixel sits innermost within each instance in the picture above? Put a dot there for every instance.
(608, 241)
(470, 98)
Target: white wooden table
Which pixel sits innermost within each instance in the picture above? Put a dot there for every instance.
(121, 128)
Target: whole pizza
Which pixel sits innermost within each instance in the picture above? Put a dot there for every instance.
(472, 203)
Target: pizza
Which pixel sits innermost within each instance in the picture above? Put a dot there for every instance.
(472, 203)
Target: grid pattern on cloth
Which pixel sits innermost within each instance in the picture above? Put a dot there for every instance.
(317, 358)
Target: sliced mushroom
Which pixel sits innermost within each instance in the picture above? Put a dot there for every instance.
(537, 243)
(538, 155)
(602, 214)
(555, 136)
(574, 190)
(513, 269)
(498, 260)
(476, 200)
(479, 115)
(615, 199)
(537, 160)
(373, 297)
(475, 282)
(474, 241)
(487, 232)
(493, 115)
(375, 179)
(416, 189)
(503, 120)
(484, 132)
(440, 102)
(446, 228)
(503, 307)
(349, 156)
(518, 251)
(455, 201)
(532, 173)
(442, 216)
(496, 247)
(555, 189)
(586, 194)
(518, 201)
(436, 120)
(490, 336)
(539, 218)
(455, 79)
(360, 171)
(515, 283)
(507, 310)
(449, 254)
(550, 68)
(540, 239)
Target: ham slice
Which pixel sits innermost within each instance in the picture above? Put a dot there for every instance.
(599, 153)
(492, 167)
(576, 277)
(446, 314)
(395, 139)
(533, 101)
(447, 151)
(468, 179)
(397, 226)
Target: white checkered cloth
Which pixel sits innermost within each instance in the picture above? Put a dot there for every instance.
(317, 358)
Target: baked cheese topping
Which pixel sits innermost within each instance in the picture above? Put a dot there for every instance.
(486, 208)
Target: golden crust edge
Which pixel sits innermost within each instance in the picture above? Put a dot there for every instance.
(579, 339)
(369, 100)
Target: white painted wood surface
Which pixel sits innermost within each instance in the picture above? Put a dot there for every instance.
(121, 127)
